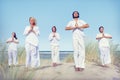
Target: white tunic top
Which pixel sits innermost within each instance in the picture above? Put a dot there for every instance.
(104, 42)
(12, 45)
(54, 40)
(31, 37)
(77, 33)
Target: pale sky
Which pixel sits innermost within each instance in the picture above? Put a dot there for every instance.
(14, 16)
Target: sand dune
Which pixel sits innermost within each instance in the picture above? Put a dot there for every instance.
(65, 71)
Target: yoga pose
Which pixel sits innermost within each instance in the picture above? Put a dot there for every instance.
(12, 50)
(32, 44)
(104, 46)
(77, 26)
(54, 39)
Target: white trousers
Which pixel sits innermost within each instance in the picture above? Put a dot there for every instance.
(32, 56)
(79, 52)
(12, 57)
(55, 53)
(105, 55)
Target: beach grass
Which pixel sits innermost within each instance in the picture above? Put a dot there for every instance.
(92, 53)
(15, 73)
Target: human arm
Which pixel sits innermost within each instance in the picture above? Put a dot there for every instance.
(15, 41)
(103, 36)
(51, 36)
(57, 36)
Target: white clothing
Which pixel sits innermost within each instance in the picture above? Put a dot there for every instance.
(78, 43)
(54, 40)
(104, 49)
(77, 32)
(105, 55)
(12, 57)
(32, 47)
(55, 53)
(12, 52)
(79, 52)
(12, 45)
(31, 37)
(54, 47)
(104, 42)
(32, 56)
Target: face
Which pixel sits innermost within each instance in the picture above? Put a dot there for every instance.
(101, 30)
(32, 21)
(13, 34)
(53, 29)
(76, 15)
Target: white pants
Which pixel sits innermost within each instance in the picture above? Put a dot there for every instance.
(32, 56)
(12, 57)
(55, 53)
(79, 52)
(105, 55)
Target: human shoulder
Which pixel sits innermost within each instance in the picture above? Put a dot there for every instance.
(71, 21)
(106, 34)
(36, 27)
(57, 33)
(82, 21)
(9, 38)
(99, 35)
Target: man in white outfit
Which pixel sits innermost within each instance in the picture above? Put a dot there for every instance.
(32, 44)
(12, 50)
(78, 40)
(54, 40)
(104, 47)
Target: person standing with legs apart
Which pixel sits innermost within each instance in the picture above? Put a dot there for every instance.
(77, 26)
(12, 50)
(32, 44)
(54, 39)
(104, 47)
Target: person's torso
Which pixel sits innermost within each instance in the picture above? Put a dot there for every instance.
(32, 38)
(77, 33)
(12, 45)
(55, 41)
(104, 42)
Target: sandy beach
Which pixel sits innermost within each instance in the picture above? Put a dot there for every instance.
(64, 71)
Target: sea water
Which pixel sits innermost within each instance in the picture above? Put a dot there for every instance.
(47, 54)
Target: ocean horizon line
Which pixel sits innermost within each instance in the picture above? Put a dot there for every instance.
(59, 51)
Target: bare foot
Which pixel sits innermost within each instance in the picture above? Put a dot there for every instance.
(106, 66)
(76, 69)
(81, 69)
(54, 64)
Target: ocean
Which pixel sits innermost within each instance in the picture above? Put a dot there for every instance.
(47, 54)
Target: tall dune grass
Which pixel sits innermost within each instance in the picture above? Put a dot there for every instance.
(19, 73)
(13, 73)
(115, 51)
(21, 55)
(92, 53)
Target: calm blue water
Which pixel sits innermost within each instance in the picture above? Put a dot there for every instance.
(47, 54)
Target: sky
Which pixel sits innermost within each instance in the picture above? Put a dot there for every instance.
(15, 15)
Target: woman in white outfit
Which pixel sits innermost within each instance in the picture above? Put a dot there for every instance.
(54, 39)
(32, 44)
(104, 47)
(12, 50)
(77, 27)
